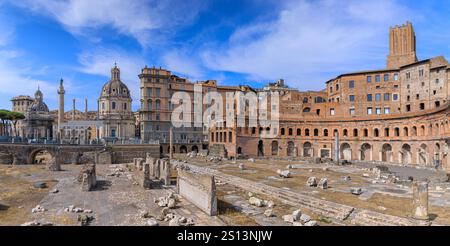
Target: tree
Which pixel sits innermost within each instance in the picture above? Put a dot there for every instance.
(15, 117)
(4, 114)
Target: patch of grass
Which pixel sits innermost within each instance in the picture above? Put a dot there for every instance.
(324, 219)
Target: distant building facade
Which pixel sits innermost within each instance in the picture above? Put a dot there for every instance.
(114, 109)
(38, 122)
(21, 104)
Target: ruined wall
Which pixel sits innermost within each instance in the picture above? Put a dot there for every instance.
(126, 153)
(199, 189)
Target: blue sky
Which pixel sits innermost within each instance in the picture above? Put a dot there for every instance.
(233, 41)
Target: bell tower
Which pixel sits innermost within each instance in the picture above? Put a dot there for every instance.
(402, 46)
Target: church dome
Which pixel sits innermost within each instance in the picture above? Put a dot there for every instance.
(38, 105)
(115, 87)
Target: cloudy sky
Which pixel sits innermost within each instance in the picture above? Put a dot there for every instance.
(233, 41)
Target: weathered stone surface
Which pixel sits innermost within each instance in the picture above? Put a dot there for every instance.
(312, 182)
(305, 218)
(269, 213)
(288, 218)
(296, 223)
(323, 183)
(87, 177)
(199, 189)
(38, 209)
(420, 200)
(54, 165)
(152, 222)
(284, 173)
(346, 178)
(256, 201)
(40, 185)
(241, 166)
(311, 223)
(356, 191)
(316, 205)
(296, 214)
(174, 222)
(171, 203)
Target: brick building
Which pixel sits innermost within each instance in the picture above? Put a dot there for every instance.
(398, 114)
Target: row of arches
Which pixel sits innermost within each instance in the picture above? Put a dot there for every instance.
(435, 129)
(183, 149)
(426, 153)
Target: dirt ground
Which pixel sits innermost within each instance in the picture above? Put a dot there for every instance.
(114, 201)
(117, 200)
(387, 198)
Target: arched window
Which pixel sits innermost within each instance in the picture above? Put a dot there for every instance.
(113, 105)
(325, 132)
(376, 132)
(299, 132)
(366, 132)
(345, 133)
(397, 131)
(307, 132)
(157, 104)
(386, 132)
(355, 132)
(316, 132)
(405, 131)
(282, 132)
(150, 105)
(290, 131)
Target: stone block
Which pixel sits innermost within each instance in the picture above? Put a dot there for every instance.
(87, 177)
(199, 189)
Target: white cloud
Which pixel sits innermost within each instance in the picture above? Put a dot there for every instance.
(308, 39)
(17, 79)
(180, 62)
(100, 62)
(135, 18)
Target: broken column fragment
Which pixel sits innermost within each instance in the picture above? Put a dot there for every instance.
(420, 200)
(87, 177)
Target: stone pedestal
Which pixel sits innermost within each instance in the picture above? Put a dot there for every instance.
(87, 177)
(54, 165)
(420, 200)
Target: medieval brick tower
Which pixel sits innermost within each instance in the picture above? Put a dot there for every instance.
(402, 46)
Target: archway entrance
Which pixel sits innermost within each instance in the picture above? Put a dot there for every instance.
(307, 149)
(260, 148)
(183, 149)
(437, 154)
(195, 149)
(291, 148)
(366, 152)
(41, 157)
(274, 148)
(346, 152)
(386, 153)
(406, 154)
(239, 150)
(423, 154)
